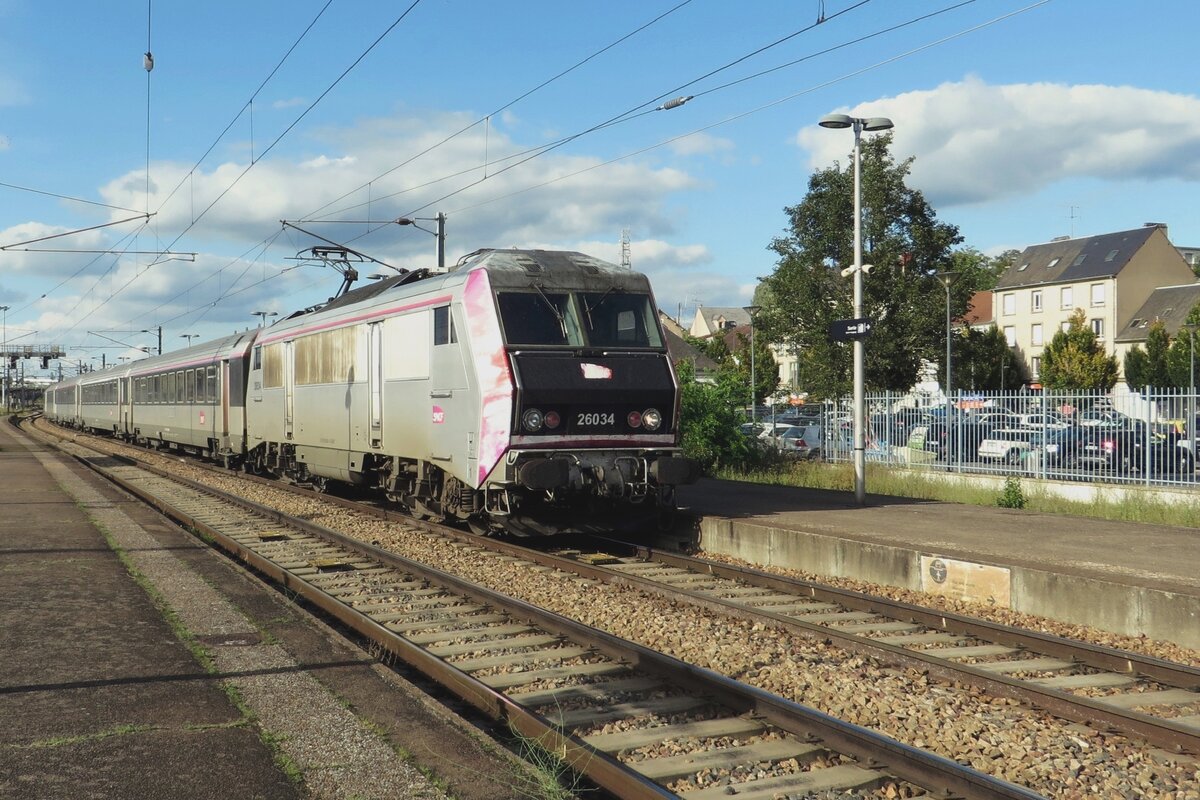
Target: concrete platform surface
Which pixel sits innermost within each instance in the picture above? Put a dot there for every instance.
(102, 697)
(1129, 578)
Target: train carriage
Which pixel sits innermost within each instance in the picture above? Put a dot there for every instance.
(192, 399)
(100, 401)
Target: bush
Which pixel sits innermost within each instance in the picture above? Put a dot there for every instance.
(1012, 496)
(709, 420)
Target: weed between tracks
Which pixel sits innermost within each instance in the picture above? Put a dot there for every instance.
(908, 483)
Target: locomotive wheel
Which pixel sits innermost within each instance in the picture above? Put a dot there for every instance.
(320, 484)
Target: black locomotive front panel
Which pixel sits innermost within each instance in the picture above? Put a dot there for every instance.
(568, 394)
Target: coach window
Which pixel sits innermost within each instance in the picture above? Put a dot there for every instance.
(257, 358)
(199, 384)
(443, 326)
(171, 387)
(189, 386)
(212, 384)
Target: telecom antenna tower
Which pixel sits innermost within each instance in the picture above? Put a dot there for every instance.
(625, 262)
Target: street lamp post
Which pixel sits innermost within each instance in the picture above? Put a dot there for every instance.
(947, 279)
(262, 315)
(4, 350)
(1190, 428)
(752, 310)
(189, 337)
(860, 438)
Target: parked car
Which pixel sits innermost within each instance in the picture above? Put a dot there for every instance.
(1118, 449)
(1043, 419)
(960, 441)
(1103, 419)
(1056, 448)
(800, 441)
(1008, 445)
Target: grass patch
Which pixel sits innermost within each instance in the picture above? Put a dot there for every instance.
(1130, 506)
(120, 730)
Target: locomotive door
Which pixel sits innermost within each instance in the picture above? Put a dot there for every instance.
(289, 389)
(375, 382)
(453, 427)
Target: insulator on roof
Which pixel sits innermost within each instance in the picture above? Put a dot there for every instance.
(148, 60)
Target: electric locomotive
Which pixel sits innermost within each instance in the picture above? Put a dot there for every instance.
(524, 390)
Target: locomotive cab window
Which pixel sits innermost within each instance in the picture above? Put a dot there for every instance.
(615, 319)
(443, 326)
(534, 318)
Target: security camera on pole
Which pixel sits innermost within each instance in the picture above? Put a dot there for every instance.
(857, 269)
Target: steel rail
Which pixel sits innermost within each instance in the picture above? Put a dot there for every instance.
(1159, 731)
(873, 749)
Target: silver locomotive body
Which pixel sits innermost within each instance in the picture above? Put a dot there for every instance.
(524, 390)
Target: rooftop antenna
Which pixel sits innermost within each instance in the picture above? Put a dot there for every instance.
(1072, 215)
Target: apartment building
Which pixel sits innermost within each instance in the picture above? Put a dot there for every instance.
(1109, 276)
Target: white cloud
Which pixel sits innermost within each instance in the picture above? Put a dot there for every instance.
(289, 103)
(976, 142)
(701, 144)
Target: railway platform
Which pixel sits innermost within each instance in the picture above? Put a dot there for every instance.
(1133, 579)
(138, 663)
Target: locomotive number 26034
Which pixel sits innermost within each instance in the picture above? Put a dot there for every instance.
(595, 419)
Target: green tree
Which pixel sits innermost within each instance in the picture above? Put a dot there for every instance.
(1074, 359)
(1137, 367)
(1150, 367)
(1179, 356)
(980, 361)
(708, 421)
(901, 237)
(766, 371)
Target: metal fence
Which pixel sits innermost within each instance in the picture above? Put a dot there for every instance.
(1147, 437)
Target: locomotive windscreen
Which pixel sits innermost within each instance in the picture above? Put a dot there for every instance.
(601, 319)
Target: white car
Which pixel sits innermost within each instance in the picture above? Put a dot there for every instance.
(1008, 445)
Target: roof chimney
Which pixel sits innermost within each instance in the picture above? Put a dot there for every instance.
(1162, 225)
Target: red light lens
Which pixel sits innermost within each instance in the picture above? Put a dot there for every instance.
(552, 419)
(634, 419)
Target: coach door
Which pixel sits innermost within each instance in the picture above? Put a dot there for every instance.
(123, 388)
(223, 388)
(289, 388)
(375, 382)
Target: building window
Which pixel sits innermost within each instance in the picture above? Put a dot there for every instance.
(1010, 304)
(1023, 267)
(1097, 294)
(1065, 325)
(1066, 297)
(1111, 255)
(1037, 300)
(1035, 335)
(1078, 259)
(1053, 262)
(1098, 327)
(1036, 365)
(1010, 335)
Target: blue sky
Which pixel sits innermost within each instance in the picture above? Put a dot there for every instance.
(1027, 120)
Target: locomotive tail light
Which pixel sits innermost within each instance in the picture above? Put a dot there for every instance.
(651, 419)
(634, 419)
(532, 420)
(551, 419)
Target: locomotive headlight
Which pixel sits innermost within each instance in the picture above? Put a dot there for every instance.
(532, 420)
(651, 419)
(552, 419)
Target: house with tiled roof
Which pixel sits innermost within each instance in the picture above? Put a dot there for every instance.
(713, 320)
(1110, 277)
(1169, 305)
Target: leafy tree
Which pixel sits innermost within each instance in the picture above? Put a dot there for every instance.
(766, 371)
(1075, 360)
(982, 360)
(1179, 356)
(1137, 367)
(901, 237)
(708, 420)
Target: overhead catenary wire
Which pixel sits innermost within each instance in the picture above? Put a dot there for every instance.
(268, 149)
(763, 107)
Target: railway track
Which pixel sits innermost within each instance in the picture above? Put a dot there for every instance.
(632, 720)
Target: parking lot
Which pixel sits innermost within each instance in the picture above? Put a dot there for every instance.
(1061, 437)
